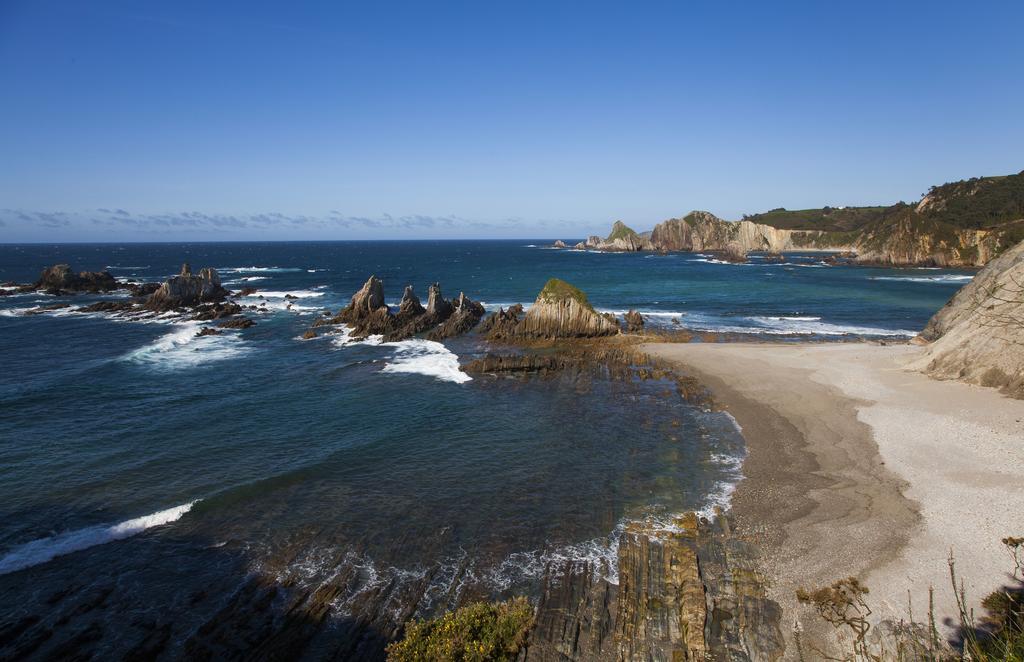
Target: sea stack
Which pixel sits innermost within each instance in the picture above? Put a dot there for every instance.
(977, 336)
(563, 311)
(186, 290)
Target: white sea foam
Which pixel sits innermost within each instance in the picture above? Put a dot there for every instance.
(945, 278)
(273, 294)
(254, 269)
(182, 348)
(47, 549)
(114, 267)
(803, 326)
(425, 357)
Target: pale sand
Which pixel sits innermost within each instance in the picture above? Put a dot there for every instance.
(857, 466)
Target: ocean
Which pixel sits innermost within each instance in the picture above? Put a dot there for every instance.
(150, 476)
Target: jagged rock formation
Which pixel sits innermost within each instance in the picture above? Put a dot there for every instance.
(961, 224)
(59, 279)
(186, 290)
(558, 244)
(368, 315)
(465, 315)
(634, 321)
(501, 324)
(562, 311)
(978, 336)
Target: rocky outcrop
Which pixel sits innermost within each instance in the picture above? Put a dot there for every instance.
(978, 336)
(187, 290)
(562, 311)
(368, 315)
(501, 324)
(634, 321)
(558, 244)
(466, 314)
(59, 279)
(690, 595)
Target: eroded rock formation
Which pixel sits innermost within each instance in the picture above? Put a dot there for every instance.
(368, 315)
(187, 290)
(634, 321)
(563, 311)
(59, 279)
(978, 336)
(502, 324)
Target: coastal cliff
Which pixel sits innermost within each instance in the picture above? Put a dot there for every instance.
(962, 224)
(978, 337)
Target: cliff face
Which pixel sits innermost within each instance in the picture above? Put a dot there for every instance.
(978, 336)
(964, 224)
(562, 311)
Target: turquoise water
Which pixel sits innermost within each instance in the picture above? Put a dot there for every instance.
(140, 458)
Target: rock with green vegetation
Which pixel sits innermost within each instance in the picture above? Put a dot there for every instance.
(563, 311)
(961, 224)
(978, 335)
(479, 631)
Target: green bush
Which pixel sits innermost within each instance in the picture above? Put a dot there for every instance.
(479, 631)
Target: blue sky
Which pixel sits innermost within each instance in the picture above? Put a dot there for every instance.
(211, 121)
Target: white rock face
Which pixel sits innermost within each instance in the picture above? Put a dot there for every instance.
(978, 337)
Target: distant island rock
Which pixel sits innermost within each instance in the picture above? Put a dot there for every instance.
(60, 279)
(978, 337)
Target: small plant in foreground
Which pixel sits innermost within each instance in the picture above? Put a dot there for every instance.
(478, 631)
(999, 635)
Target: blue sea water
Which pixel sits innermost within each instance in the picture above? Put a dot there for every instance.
(138, 456)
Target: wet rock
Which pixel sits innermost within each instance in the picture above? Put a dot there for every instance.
(237, 323)
(774, 258)
(59, 279)
(215, 311)
(309, 335)
(563, 311)
(39, 310)
(246, 291)
(634, 321)
(733, 252)
(208, 331)
(143, 289)
(187, 291)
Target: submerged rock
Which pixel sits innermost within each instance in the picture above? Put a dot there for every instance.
(186, 290)
(59, 279)
(978, 335)
(563, 311)
(237, 323)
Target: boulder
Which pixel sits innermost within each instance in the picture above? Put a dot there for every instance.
(309, 335)
(563, 311)
(59, 279)
(978, 335)
(558, 244)
(186, 290)
(208, 331)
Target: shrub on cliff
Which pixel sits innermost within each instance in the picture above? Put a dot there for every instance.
(479, 631)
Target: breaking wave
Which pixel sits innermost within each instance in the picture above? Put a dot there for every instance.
(425, 357)
(945, 278)
(47, 549)
(182, 348)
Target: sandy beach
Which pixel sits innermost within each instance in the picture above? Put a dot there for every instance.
(857, 466)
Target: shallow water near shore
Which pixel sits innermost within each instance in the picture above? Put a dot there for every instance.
(160, 470)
